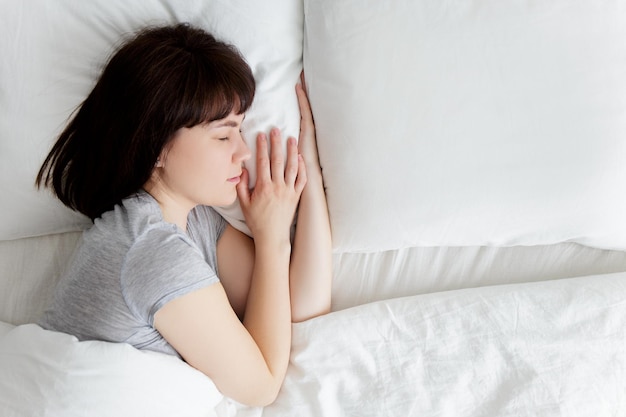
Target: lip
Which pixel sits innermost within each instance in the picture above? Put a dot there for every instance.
(235, 180)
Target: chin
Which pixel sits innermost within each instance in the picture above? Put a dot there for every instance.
(225, 202)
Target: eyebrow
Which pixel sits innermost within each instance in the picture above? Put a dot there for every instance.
(227, 123)
(230, 123)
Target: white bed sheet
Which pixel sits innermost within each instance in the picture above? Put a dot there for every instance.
(365, 277)
(29, 271)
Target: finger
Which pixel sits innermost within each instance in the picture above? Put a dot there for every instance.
(303, 103)
(307, 127)
(302, 80)
(291, 171)
(277, 159)
(262, 159)
(243, 190)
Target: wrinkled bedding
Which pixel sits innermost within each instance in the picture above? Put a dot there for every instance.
(536, 349)
(543, 349)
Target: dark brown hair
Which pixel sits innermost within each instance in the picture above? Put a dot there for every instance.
(161, 80)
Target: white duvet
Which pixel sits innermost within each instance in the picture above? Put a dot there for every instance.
(554, 348)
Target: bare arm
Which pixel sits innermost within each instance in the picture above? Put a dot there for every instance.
(205, 331)
(311, 261)
(235, 261)
(247, 361)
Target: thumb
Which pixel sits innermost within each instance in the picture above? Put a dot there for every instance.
(243, 192)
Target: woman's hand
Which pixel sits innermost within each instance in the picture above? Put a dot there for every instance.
(307, 142)
(269, 209)
(311, 259)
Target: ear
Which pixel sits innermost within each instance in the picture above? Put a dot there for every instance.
(160, 161)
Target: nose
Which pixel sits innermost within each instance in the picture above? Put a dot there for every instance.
(242, 153)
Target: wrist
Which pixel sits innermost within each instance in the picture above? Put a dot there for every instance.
(312, 163)
(272, 242)
(313, 174)
(314, 187)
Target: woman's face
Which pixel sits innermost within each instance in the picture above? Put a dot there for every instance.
(202, 164)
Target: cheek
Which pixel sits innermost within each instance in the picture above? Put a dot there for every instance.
(200, 163)
(181, 167)
(187, 157)
(210, 167)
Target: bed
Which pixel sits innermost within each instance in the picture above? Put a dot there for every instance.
(473, 158)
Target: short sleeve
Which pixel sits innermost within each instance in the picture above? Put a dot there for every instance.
(161, 266)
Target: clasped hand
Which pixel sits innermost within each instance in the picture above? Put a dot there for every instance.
(270, 207)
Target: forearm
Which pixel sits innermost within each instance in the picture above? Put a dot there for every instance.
(311, 261)
(268, 310)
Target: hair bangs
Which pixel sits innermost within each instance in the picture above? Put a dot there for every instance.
(214, 91)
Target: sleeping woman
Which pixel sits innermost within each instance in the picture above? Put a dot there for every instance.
(153, 147)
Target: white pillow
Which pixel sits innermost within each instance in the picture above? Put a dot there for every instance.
(483, 122)
(53, 55)
(53, 374)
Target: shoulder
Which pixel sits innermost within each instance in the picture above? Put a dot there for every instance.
(128, 220)
(161, 246)
(136, 230)
(161, 266)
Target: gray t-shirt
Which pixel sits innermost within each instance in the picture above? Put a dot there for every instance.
(129, 264)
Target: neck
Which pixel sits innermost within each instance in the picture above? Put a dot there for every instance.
(173, 210)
